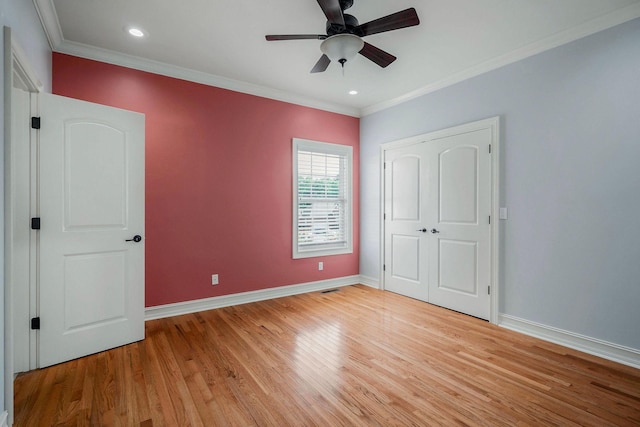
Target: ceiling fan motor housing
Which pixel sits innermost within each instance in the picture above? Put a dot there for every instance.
(350, 22)
(345, 4)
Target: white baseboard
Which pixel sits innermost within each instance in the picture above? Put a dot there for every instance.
(370, 281)
(617, 353)
(4, 419)
(194, 306)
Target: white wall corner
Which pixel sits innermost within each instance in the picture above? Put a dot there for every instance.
(177, 309)
(370, 281)
(4, 419)
(606, 350)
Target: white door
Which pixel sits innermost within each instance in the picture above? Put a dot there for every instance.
(406, 195)
(438, 249)
(459, 218)
(91, 204)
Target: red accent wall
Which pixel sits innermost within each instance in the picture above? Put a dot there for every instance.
(218, 180)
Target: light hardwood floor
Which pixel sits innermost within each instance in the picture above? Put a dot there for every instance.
(354, 357)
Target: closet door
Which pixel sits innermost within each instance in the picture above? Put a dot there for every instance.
(459, 246)
(406, 205)
(437, 238)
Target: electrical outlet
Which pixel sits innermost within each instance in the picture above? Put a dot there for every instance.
(320, 266)
(214, 279)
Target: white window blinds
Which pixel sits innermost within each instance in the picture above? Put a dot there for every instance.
(322, 199)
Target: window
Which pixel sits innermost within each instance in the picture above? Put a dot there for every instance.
(321, 199)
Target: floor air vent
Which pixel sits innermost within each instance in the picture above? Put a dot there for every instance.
(328, 291)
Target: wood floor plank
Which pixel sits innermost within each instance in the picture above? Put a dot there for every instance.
(353, 357)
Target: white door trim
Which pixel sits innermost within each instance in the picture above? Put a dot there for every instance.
(492, 124)
(16, 66)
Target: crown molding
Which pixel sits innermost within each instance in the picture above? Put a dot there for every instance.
(593, 26)
(50, 22)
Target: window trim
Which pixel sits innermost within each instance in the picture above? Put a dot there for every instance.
(326, 248)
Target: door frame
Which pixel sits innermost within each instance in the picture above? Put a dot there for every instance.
(493, 124)
(16, 173)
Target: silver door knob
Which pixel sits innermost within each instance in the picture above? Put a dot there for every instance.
(434, 231)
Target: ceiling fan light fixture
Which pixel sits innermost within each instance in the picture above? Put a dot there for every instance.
(342, 47)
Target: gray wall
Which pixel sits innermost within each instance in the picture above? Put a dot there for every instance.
(570, 177)
(23, 19)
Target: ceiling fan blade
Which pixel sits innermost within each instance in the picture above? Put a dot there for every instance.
(321, 65)
(332, 11)
(395, 21)
(275, 37)
(377, 55)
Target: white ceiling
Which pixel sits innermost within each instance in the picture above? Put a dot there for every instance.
(221, 42)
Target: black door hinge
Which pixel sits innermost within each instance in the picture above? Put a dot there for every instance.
(489, 290)
(35, 323)
(35, 122)
(35, 223)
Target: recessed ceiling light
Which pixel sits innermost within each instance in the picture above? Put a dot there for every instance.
(136, 32)
(353, 92)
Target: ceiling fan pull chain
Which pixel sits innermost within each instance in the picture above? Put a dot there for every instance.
(342, 61)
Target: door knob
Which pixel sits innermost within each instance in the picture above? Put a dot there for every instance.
(434, 231)
(137, 238)
(424, 230)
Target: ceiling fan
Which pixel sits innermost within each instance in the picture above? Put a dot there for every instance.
(344, 34)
